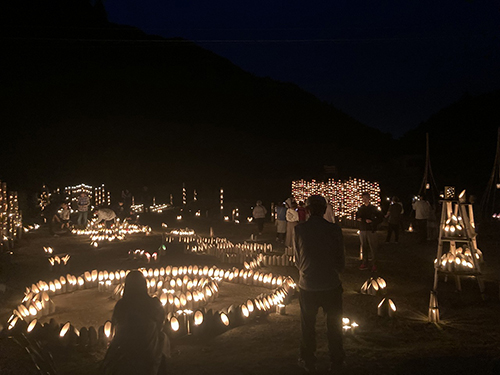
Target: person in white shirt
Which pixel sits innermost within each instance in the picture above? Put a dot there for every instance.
(105, 215)
(292, 219)
(259, 214)
(422, 210)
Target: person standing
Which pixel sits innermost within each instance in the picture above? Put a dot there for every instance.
(329, 214)
(301, 210)
(292, 219)
(393, 216)
(64, 215)
(259, 214)
(320, 258)
(369, 217)
(422, 210)
(281, 222)
(127, 200)
(83, 209)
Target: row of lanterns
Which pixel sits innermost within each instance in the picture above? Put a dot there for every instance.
(459, 259)
(181, 290)
(59, 263)
(63, 335)
(142, 255)
(100, 233)
(206, 321)
(454, 226)
(228, 252)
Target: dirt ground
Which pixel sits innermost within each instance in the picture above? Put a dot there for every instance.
(467, 340)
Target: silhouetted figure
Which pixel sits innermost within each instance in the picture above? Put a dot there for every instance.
(301, 210)
(369, 217)
(121, 212)
(83, 209)
(394, 219)
(50, 214)
(280, 222)
(292, 219)
(422, 210)
(320, 257)
(138, 345)
(259, 215)
(127, 199)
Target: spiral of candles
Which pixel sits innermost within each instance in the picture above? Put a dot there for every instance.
(184, 291)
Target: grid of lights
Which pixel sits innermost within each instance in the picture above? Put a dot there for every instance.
(100, 196)
(10, 215)
(344, 196)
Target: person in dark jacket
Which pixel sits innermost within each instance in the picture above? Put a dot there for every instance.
(393, 216)
(138, 345)
(369, 217)
(319, 257)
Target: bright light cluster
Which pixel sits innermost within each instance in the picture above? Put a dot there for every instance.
(344, 196)
(229, 252)
(29, 228)
(142, 255)
(454, 226)
(60, 260)
(159, 208)
(100, 196)
(184, 291)
(11, 220)
(459, 259)
(118, 231)
(374, 286)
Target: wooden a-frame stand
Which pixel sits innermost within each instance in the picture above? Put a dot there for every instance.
(457, 254)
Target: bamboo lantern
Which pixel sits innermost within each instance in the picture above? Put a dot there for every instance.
(281, 309)
(198, 322)
(108, 331)
(34, 329)
(433, 308)
(68, 335)
(374, 286)
(174, 327)
(15, 325)
(386, 307)
(223, 320)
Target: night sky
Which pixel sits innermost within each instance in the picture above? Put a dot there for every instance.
(388, 64)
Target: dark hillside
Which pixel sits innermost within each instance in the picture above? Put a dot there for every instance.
(462, 140)
(75, 83)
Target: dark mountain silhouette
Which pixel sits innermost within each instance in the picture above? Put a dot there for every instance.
(462, 140)
(87, 100)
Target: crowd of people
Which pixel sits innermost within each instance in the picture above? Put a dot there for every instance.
(309, 232)
(62, 217)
